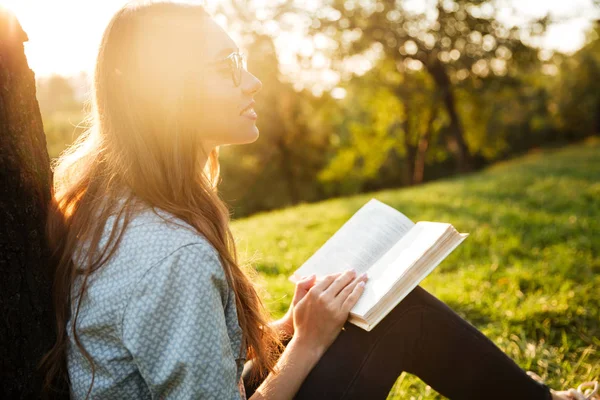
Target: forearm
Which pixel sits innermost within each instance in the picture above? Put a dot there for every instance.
(293, 367)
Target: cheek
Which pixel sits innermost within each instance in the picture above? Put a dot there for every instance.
(219, 115)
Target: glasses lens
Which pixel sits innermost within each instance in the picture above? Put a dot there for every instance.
(238, 69)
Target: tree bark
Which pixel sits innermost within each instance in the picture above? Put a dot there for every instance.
(411, 151)
(419, 171)
(27, 327)
(287, 168)
(285, 142)
(440, 76)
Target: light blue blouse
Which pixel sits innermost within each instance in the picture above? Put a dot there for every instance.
(159, 319)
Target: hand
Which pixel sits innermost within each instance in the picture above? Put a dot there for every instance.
(286, 324)
(320, 314)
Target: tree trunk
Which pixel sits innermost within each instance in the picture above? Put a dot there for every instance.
(27, 328)
(423, 145)
(285, 142)
(411, 151)
(287, 168)
(438, 72)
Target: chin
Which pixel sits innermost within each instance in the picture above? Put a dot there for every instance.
(240, 135)
(250, 138)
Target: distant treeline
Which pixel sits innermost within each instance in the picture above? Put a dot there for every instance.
(447, 95)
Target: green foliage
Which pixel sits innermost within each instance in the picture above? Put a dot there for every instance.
(528, 275)
(453, 42)
(62, 113)
(453, 77)
(294, 134)
(386, 114)
(61, 128)
(577, 107)
(364, 137)
(56, 94)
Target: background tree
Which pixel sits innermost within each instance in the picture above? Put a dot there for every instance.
(280, 168)
(577, 90)
(27, 329)
(452, 40)
(62, 109)
(391, 120)
(386, 124)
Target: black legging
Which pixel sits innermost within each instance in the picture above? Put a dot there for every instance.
(424, 337)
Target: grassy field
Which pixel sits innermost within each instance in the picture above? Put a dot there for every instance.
(528, 275)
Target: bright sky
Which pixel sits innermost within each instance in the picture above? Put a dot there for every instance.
(64, 34)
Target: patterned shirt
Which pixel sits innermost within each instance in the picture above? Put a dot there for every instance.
(159, 319)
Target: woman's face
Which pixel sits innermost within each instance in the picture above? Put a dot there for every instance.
(224, 116)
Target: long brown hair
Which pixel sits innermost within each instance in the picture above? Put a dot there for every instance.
(143, 145)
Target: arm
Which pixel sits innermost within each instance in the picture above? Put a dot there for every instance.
(293, 367)
(318, 318)
(174, 326)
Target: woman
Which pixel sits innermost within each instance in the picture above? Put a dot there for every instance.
(151, 301)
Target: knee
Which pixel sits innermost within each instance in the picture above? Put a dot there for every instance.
(417, 300)
(418, 296)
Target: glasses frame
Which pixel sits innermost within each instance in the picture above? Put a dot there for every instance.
(237, 62)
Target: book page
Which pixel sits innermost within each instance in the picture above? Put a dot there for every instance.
(397, 262)
(384, 307)
(359, 243)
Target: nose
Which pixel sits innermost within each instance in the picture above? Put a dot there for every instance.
(250, 83)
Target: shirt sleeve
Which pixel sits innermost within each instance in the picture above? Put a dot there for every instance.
(175, 329)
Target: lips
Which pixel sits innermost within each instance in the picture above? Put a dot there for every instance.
(250, 105)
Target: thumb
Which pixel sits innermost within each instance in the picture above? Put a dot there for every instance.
(306, 283)
(302, 287)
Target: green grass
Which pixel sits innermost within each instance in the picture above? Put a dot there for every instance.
(527, 276)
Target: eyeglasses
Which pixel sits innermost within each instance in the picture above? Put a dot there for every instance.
(236, 62)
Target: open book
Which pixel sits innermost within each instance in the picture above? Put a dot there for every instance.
(395, 252)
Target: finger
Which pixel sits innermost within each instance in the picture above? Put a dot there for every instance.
(341, 282)
(307, 282)
(354, 296)
(350, 287)
(302, 288)
(325, 282)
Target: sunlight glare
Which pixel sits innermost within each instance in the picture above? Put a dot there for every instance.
(64, 34)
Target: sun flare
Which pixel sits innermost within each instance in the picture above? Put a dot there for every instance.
(64, 34)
